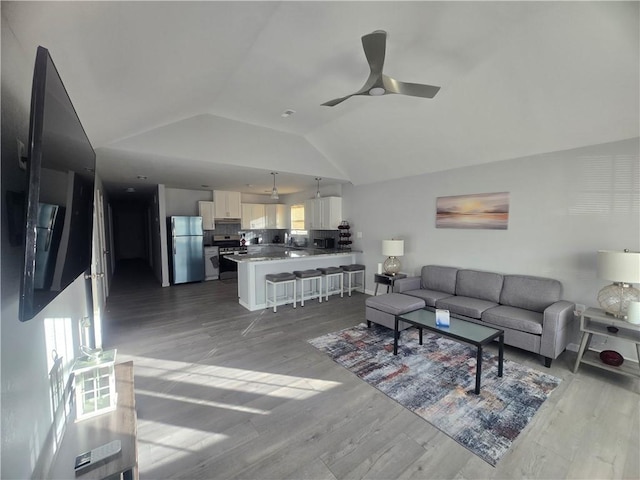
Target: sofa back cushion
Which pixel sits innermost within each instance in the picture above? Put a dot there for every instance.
(476, 284)
(530, 293)
(440, 279)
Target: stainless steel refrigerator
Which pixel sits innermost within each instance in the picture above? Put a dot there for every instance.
(187, 250)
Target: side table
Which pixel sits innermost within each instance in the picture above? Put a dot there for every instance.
(594, 321)
(386, 279)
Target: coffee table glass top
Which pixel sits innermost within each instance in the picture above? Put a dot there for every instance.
(462, 329)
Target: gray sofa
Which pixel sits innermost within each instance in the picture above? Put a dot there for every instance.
(528, 309)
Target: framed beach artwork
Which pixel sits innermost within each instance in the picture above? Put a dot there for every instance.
(477, 211)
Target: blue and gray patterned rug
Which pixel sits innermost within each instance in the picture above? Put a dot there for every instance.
(436, 381)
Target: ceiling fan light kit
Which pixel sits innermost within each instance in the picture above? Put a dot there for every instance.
(379, 84)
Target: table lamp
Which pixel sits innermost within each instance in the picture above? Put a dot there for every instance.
(392, 249)
(623, 268)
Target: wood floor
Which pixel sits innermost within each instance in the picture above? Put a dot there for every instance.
(225, 393)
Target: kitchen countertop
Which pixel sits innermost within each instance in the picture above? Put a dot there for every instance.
(288, 253)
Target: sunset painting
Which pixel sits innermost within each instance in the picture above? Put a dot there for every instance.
(482, 210)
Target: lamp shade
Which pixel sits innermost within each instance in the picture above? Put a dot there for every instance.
(393, 248)
(619, 266)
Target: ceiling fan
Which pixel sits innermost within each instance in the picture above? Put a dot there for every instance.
(378, 83)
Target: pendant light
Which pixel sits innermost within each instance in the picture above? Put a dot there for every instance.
(274, 192)
(318, 189)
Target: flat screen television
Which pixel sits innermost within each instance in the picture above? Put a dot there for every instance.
(60, 192)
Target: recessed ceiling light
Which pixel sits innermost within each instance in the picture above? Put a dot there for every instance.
(142, 177)
(204, 186)
(376, 91)
(129, 189)
(287, 113)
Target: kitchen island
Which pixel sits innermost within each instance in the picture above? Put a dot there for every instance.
(252, 268)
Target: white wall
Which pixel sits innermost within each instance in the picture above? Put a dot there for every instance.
(180, 201)
(564, 206)
(333, 190)
(25, 410)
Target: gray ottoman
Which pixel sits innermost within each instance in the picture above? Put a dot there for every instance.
(382, 309)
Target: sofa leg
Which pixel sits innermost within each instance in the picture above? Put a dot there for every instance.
(547, 362)
(368, 323)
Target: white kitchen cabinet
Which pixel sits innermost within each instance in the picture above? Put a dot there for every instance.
(331, 214)
(323, 213)
(226, 204)
(309, 214)
(253, 216)
(206, 211)
(276, 216)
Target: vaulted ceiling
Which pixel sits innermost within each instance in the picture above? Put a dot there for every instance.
(191, 93)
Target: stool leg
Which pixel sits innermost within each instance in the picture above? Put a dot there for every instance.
(341, 286)
(294, 294)
(326, 287)
(318, 282)
(275, 297)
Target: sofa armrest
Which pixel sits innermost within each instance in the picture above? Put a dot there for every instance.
(406, 284)
(555, 332)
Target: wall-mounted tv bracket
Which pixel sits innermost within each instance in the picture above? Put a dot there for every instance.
(22, 155)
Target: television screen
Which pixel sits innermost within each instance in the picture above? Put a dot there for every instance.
(60, 192)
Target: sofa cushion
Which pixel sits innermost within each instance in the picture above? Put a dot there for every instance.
(439, 279)
(531, 293)
(514, 318)
(395, 303)
(467, 306)
(429, 296)
(476, 284)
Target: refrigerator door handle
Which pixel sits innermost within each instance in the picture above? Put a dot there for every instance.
(47, 243)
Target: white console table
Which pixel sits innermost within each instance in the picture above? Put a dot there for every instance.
(594, 321)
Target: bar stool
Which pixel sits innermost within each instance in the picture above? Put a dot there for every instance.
(274, 279)
(315, 284)
(350, 271)
(330, 274)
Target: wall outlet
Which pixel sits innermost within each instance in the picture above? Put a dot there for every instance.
(580, 307)
(358, 234)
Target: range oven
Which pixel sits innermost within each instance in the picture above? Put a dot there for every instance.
(228, 245)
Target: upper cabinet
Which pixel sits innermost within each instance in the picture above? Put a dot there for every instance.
(323, 213)
(253, 216)
(227, 204)
(276, 216)
(309, 214)
(207, 211)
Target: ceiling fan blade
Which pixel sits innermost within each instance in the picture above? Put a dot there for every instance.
(372, 80)
(336, 101)
(391, 85)
(374, 45)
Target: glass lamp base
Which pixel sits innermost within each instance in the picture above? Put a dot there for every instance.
(391, 265)
(615, 299)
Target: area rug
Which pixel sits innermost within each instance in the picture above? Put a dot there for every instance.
(436, 381)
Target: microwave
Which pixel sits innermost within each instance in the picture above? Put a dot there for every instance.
(324, 243)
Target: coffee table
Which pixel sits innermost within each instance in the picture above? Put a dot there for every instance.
(458, 330)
